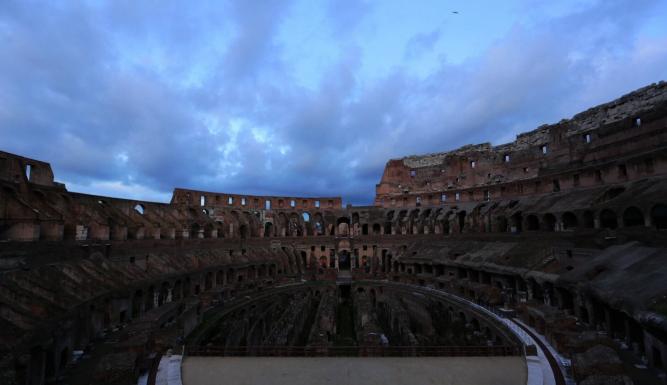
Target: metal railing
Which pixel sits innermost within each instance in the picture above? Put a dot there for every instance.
(354, 351)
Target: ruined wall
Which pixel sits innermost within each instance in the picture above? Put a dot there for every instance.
(563, 237)
(614, 142)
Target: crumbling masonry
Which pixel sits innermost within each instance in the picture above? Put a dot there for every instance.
(567, 225)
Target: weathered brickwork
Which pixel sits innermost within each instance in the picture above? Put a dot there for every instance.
(567, 226)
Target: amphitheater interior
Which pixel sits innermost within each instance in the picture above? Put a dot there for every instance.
(540, 261)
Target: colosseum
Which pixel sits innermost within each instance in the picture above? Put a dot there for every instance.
(540, 261)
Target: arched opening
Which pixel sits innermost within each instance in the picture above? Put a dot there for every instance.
(178, 290)
(355, 224)
(462, 220)
(364, 229)
(136, 303)
(387, 228)
(501, 224)
(569, 221)
(659, 216)
(268, 229)
(589, 221)
(462, 318)
(64, 358)
(549, 222)
(517, 222)
(632, 216)
(150, 298)
(344, 260)
(532, 223)
(608, 219)
(306, 217)
(295, 228)
(187, 285)
(343, 226)
(304, 259)
(657, 355)
(139, 208)
(195, 230)
(208, 281)
(243, 231)
(376, 229)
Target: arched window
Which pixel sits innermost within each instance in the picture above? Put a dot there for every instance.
(139, 208)
(632, 216)
(306, 217)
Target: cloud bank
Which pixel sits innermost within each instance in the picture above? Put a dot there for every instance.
(299, 98)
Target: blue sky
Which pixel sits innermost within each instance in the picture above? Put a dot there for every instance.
(302, 97)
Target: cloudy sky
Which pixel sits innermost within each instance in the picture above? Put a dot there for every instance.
(303, 97)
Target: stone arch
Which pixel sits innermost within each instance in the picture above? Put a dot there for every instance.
(210, 231)
(424, 225)
(307, 225)
(659, 216)
(268, 229)
(150, 298)
(318, 224)
(569, 220)
(282, 224)
(549, 222)
(461, 317)
(532, 223)
(295, 227)
(413, 221)
(401, 221)
(137, 300)
(178, 290)
(343, 226)
(356, 226)
(588, 219)
(461, 216)
(632, 216)
(64, 358)
(196, 231)
(243, 231)
(376, 229)
(517, 222)
(501, 224)
(163, 295)
(253, 223)
(608, 219)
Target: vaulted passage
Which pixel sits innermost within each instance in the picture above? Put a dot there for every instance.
(348, 319)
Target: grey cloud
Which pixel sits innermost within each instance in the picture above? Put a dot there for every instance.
(68, 96)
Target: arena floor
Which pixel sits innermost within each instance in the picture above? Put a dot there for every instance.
(354, 370)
